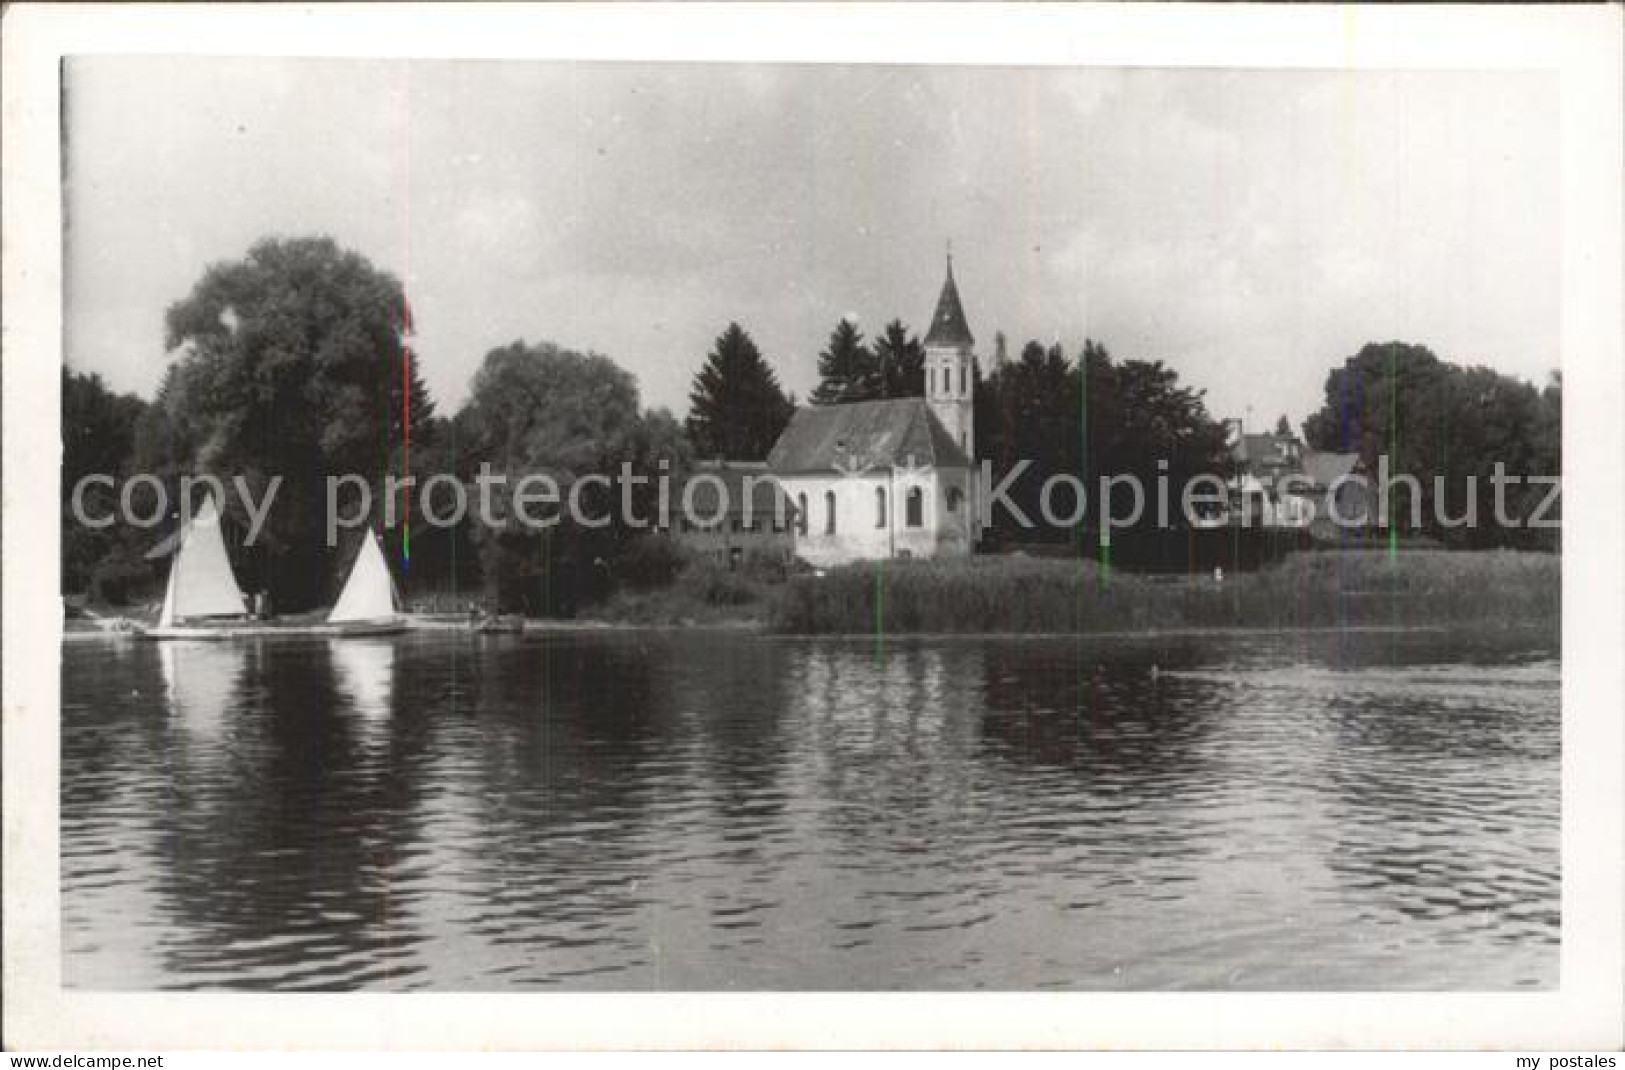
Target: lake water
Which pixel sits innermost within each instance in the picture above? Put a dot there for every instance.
(711, 810)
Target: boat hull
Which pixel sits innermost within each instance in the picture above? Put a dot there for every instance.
(357, 629)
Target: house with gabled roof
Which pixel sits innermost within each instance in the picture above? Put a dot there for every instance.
(1262, 464)
(1340, 482)
(1279, 483)
(733, 512)
(893, 478)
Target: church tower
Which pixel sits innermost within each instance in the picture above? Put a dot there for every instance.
(950, 372)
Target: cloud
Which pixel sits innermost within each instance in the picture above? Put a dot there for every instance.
(1251, 228)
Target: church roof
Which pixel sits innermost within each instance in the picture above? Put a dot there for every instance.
(948, 326)
(865, 435)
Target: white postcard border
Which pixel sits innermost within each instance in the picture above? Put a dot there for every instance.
(1581, 43)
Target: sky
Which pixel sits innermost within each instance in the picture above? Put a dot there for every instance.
(1249, 228)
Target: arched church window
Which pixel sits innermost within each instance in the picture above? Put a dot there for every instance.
(801, 513)
(829, 512)
(956, 498)
(961, 380)
(880, 507)
(915, 507)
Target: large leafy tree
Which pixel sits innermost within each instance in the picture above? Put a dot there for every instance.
(1143, 416)
(847, 369)
(541, 409)
(1432, 418)
(900, 360)
(542, 406)
(292, 362)
(736, 407)
(1381, 401)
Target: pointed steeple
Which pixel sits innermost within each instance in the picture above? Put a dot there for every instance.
(948, 326)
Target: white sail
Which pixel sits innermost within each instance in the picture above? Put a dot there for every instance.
(369, 593)
(166, 616)
(200, 580)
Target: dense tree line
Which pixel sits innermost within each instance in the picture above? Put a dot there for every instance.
(850, 370)
(737, 408)
(1088, 418)
(296, 363)
(98, 438)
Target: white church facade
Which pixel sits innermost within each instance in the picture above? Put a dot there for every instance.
(893, 478)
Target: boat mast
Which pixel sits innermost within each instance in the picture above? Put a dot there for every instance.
(166, 616)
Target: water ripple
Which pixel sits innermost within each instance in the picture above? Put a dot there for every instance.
(648, 811)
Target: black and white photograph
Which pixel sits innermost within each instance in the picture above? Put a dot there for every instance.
(674, 525)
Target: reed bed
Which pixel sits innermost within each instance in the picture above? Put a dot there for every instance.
(1315, 589)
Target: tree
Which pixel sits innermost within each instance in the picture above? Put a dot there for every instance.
(1283, 426)
(1090, 419)
(436, 557)
(544, 406)
(291, 364)
(736, 407)
(1433, 420)
(98, 438)
(847, 369)
(1160, 421)
(1549, 429)
(900, 361)
(98, 427)
(539, 409)
(1033, 417)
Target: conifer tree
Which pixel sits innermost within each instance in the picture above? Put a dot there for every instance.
(901, 362)
(847, 369)
(736, 407)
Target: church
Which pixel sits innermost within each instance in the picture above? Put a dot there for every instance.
(895, 478)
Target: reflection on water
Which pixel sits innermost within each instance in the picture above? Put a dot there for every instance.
(703, 811)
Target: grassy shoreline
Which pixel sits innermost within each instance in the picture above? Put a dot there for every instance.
(1005, 595)
(1331, 589)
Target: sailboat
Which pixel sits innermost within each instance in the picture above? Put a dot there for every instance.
(201, 594)
(368, 604)
(202, 600)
